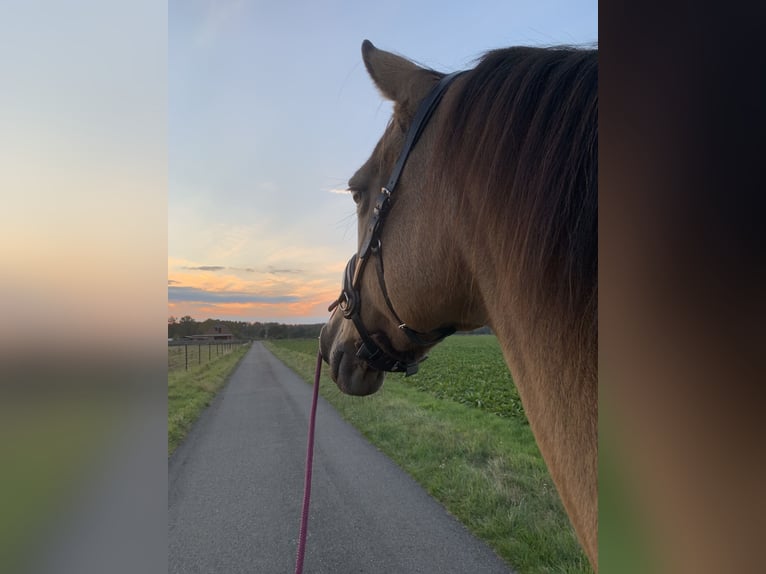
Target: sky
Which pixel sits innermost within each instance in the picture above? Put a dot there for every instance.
(270, 111)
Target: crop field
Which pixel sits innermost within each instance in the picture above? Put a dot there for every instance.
(459, 429)
(467, 369)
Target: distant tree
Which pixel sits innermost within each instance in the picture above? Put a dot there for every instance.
(242, 330)
(255, 330)
(275, 331)
(172, 323)
(187, 326)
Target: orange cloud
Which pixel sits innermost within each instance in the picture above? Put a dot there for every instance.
(274, 292)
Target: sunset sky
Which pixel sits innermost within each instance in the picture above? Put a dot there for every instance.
(270, 111)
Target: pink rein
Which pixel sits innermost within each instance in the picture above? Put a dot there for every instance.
(309, 464)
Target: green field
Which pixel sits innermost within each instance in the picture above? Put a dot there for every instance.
(459, 429)
(469, 370)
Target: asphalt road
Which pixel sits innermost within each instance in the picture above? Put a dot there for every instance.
(236, 486)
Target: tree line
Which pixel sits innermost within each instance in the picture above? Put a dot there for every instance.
(241, 330)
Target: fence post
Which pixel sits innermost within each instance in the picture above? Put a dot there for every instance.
(186, 357)
(199, 354)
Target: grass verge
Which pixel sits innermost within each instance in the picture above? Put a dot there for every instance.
(189, 392)
(484, 468)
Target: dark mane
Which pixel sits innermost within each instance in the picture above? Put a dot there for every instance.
(521, 140)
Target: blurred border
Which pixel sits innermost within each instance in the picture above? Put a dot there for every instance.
(83, 222)
(681, 307)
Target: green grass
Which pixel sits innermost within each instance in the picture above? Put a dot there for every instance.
(462, 435)
(189, 392)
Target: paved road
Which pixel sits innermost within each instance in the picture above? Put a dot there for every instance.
(235, 491)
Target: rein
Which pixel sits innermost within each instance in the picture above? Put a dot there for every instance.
(349, 300)
(303, 534)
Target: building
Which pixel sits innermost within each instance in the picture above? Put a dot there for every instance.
(217, 333)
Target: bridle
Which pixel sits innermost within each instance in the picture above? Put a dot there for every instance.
(349, 301)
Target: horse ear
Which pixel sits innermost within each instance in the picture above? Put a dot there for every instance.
(397, 78)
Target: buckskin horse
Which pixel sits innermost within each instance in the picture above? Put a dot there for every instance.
(481, 200)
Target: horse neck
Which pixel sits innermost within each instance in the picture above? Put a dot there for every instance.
(520, 198)
(552, 359)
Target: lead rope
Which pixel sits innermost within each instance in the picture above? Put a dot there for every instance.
(309, 463)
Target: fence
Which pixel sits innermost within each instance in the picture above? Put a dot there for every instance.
(189, 355)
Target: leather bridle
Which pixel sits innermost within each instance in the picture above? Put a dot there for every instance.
(349, 301)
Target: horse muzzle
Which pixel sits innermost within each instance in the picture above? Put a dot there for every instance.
(338, 346)
(378, 357)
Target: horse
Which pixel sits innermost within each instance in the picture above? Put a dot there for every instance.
(493, 221)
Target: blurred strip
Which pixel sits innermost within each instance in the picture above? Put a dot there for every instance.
(83, 233)
(682, 286)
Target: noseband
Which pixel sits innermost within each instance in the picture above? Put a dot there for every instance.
(349, 300)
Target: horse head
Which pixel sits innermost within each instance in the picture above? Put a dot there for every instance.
(403, 289)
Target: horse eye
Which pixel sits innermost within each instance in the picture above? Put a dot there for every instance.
(356, 195)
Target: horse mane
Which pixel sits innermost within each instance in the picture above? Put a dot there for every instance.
(520, 142)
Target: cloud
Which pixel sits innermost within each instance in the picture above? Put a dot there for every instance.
(270, 269)
(339, 190)
(205, 268)
(277, 271)
(202, 296)
(173, 282)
